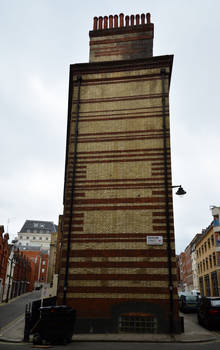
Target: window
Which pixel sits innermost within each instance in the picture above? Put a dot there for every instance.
(137, 324)
(46, 238)
(209, 243)
(27, 243)
(21, 237)
(202, 249)
(216, 220)
(43, 262)
(210, 261)
(28, 230)
(35, 224)
(207, 285)
(215, 284)
(34, 237)
(214, 259)
(203, 265)
(40, 238)
(42, 270)
(205, 246)
(207, 263)
(27, 237)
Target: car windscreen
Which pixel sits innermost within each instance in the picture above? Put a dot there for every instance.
(215, 302)
(191, 298)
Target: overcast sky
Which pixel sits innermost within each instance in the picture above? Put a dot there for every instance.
(39, 39)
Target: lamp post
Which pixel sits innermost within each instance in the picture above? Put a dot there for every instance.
(180, 191)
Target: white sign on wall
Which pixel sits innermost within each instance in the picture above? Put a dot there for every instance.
(154, 240)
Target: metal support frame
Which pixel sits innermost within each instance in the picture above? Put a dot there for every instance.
(166, 185)
(79, 80)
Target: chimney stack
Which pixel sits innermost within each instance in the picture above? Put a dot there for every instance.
(121, 37)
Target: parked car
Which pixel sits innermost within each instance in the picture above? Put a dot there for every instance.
(209, 312)
(188, 303)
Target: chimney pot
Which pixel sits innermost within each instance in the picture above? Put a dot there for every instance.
(148, 18)
(121, 19)
(100, 22)
(110, 21)
(142, 18)
(127, 21)
(137, 20)
(132, 20)
(95, 22)
(105, 22)
(115, 21)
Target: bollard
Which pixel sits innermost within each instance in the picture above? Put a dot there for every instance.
(182, 324)
(27, 322)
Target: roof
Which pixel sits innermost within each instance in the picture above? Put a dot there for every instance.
(43, 226)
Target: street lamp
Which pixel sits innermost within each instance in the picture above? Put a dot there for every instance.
(180, 191)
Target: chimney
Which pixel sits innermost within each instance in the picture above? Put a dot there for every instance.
(115, 38)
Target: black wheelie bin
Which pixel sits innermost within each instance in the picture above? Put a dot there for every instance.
(55, 326)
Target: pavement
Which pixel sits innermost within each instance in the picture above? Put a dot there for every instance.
(14, 332)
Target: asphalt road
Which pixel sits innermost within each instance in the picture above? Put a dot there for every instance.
(13, 309)
(119, 346)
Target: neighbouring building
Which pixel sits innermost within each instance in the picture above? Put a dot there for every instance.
(195, 278)
(18, 274)
(118, 264)
(52, 258)
(187, 267)
(35, 233)
(181, 272)
(208, 257)
(39, 265)
(59, 245)
(4, 255)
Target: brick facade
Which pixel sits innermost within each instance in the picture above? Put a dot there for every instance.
(39, 265)
(4, 255)
(115, 190)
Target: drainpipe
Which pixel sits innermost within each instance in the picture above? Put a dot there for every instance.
(79, 80)
(166, 185)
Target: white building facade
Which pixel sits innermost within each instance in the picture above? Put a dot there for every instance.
(35, 233)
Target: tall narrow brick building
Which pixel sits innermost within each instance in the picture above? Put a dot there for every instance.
(118, 265)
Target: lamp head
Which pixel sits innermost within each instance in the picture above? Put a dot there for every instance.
(180, 191)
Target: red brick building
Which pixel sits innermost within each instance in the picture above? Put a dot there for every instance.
(39, 264)
(185, 266)
(17, 275)
(4, 255)
(21, 274)
(118, 264)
